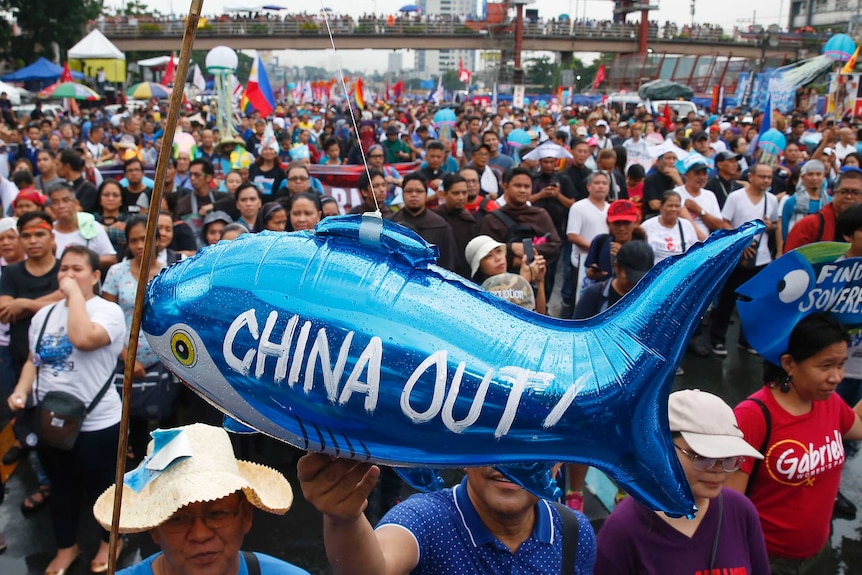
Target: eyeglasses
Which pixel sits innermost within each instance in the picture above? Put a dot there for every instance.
(845, 192)
(375, 156)
(298, 179)
(213, 519)
(701, 463)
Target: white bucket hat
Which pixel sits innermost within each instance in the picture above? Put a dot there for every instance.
(478, 248)
(188, 465)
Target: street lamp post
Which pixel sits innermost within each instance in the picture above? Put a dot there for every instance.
(578, 84)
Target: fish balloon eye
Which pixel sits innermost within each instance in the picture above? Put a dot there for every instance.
(183, 348)
(793, 286)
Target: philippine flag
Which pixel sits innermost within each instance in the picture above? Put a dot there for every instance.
(258, 90)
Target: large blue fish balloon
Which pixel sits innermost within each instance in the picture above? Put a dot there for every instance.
(351, 341)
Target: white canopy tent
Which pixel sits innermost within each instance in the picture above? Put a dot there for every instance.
(95, 46)
(95, 51)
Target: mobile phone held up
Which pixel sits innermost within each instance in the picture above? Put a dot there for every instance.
(529, 252)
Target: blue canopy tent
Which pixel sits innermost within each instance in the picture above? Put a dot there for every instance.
(41, 70)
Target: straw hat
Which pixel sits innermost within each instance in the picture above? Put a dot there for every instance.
(236, 140)
(186, 465)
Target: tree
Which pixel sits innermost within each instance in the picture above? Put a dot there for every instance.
(44, 22)
(133, 8)
(451, 81)
(542, 72)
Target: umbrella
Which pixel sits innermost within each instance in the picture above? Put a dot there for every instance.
(69, 90)
(148, 90)
(409, 8)
(548, 150)
(518, 138)
(444, 117)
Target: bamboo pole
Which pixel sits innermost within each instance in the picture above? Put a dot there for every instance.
(149, 253)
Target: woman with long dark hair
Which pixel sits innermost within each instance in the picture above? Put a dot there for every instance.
(121, 284)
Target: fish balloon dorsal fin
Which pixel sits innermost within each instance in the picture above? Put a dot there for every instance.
(378, 234)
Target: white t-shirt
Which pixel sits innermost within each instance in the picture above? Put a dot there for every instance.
(81, 373)
(99, 244)
(706, 200)
(588, 221)
(666, 242)
(738, 209)
(841, 151)
(718, 146)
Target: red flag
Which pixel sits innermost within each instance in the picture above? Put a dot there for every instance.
(600, 77)
(386, 94)
(66, 76)
(463, 73)
(668, 119)
(398, 89)
(170, 70)
(359, 94)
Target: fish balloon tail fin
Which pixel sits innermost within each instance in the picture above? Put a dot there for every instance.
(642, 339)
(676, 293)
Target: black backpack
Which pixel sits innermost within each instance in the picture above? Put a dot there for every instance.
(517, 232)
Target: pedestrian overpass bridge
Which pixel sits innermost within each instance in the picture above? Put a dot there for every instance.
(307, 33)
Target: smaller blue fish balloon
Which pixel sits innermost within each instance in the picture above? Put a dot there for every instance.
(808, 279)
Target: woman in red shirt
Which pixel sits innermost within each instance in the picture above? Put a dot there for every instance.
(798, 421)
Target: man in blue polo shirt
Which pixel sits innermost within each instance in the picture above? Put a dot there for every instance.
(486, 525)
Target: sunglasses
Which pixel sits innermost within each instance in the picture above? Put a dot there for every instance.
(701, 463)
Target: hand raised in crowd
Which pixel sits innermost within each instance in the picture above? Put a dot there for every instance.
(670, 171)
(551, 191)
(535, 271)
(338, 488)
(595, 273)
(692, 207)
(69, 287)
(16, 401)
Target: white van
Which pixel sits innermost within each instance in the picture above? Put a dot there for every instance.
(682, 107)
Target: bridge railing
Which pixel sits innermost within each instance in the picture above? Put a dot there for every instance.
(313, 26)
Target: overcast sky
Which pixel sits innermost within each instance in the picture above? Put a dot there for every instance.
(726, 13)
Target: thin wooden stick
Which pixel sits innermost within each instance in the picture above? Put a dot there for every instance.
(149, 254)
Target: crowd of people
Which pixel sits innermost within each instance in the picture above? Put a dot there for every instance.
(595, 199)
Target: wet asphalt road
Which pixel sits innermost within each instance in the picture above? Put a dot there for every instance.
(296, 537)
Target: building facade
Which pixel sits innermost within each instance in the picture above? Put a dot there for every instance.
(823, 13)
(435, 62)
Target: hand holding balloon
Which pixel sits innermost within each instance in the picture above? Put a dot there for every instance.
(338, 488)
